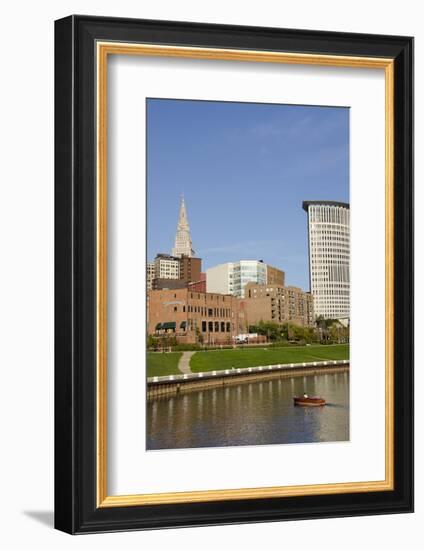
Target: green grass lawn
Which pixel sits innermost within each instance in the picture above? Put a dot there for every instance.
(203, 361)
(162, 364)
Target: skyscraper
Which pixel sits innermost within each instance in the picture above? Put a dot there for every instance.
(183, 245)
(329, 257)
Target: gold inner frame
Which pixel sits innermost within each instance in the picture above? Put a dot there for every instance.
(104, 49)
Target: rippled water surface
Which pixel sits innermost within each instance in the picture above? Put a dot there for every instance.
(256, 413)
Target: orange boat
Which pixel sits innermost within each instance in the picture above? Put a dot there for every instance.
(306, 401)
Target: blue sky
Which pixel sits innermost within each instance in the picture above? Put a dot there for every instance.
(244, 170)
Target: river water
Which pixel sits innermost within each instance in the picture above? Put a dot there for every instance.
(254, 413)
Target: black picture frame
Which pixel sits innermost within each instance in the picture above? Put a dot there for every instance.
(76, 510)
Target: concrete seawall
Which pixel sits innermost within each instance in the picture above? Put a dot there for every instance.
(159, 386)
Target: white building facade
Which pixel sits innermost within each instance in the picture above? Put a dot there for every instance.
(232, 277)
(329, 257)
(167, 267)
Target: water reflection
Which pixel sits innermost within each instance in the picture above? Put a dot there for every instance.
(255, 413)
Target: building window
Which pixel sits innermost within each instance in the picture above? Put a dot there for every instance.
(222, 326)
(175, 308)
(210, 312)
(210, 326)
(216, 326)
(228, 327)
(203, 326)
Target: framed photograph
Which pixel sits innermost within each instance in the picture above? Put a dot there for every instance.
(233, 265)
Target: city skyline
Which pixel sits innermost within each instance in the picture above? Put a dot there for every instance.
(244, 171)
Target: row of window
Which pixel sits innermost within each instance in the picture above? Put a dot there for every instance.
(329, 214)
(323, 286)
(343, 234)
(319, 250)
(216, 326)
(322, 292)
(194, 295)
(210, 312)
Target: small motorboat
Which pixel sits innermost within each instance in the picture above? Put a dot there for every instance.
(306, 401)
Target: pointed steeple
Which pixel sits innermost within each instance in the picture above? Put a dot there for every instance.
(183, 244)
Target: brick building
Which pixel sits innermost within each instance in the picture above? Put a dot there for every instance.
(195, 317)
(161, 284)
(200, 285)
(274, 276)
(278, 304)
(190, 269)
(150, 275)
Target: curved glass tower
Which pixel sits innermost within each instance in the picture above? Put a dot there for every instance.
(329, 257)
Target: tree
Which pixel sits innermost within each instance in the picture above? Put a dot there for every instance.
(267, 328)
(152, 342)
(167, 341)
(199, 336)
(334, 333)
(323, 326)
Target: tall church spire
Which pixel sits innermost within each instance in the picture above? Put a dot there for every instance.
(183, 244)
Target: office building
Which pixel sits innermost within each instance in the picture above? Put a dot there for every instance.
(172, 272)
(278, 304)
(329, 257)
(167, 267)
(232, 277)
(190, 268)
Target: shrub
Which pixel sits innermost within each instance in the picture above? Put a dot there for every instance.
(186, 347)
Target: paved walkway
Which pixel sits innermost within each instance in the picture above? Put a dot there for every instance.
(184, 363)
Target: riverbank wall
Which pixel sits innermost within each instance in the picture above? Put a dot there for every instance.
(165, 386)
